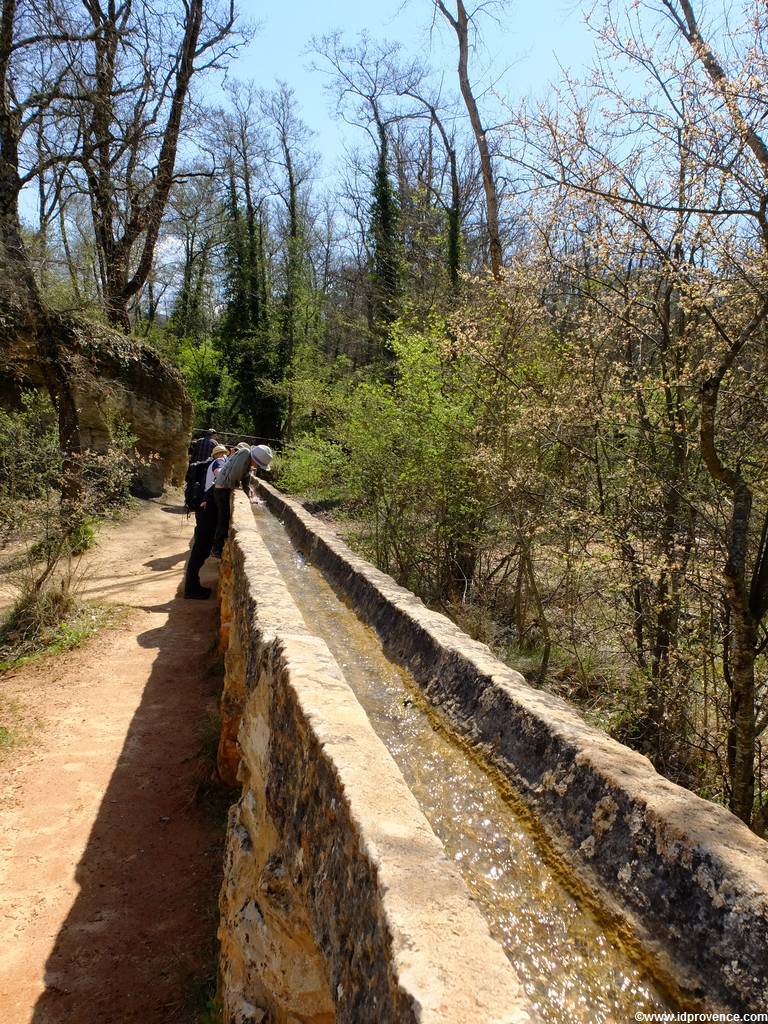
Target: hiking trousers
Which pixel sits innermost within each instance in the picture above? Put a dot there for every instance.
(222, 496)
(202, 542)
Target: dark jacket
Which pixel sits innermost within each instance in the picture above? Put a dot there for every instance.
(201, 449)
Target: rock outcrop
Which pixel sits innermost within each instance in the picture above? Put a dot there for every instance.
(115, 379)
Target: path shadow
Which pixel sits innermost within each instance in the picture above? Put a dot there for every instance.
(178, 510)
(168, 562)
(125, 585)
(136, 947)
(166, 607)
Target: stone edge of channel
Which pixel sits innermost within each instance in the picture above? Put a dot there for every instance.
(692, 874)
(442, 956)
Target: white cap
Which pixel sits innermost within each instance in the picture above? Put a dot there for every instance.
(262, 455)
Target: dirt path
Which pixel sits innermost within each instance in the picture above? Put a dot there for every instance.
(110, 840)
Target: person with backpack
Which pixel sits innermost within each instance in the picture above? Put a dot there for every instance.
(236, 472)
(202, 448)
(198, 498)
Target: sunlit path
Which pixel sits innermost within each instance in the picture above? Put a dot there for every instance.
(109, 866)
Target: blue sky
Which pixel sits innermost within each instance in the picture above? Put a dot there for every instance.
(528, 40)
(520, 53)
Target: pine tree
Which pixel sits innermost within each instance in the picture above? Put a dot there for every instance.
(245, 328)
(386, 257)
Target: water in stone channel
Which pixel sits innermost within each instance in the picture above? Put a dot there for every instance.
(571, 970)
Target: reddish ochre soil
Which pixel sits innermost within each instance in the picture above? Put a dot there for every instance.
(110, 833)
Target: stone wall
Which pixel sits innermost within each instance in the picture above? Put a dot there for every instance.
(338, 903)
(691, 877)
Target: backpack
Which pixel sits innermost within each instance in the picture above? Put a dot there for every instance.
(194, 484)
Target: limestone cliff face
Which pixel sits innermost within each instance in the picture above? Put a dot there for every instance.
(116, 378)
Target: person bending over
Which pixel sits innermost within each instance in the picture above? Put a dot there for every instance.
(236, 472)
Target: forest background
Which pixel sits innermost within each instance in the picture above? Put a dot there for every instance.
(519, 346)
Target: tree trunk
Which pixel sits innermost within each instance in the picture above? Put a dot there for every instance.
(742, 652)
(139, 227)
(42, 325)
(291, 289)
(460, 25)
(741, 726)
(740, 649)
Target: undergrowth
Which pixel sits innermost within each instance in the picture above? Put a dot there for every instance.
(47, 624)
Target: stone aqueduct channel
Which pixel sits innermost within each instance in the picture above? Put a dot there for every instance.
(341, 903)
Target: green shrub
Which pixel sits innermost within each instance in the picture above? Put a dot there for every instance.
(313, 466)
(34, 616)
(46, 614)
(82, 537)
(30, 462)
(400, 453)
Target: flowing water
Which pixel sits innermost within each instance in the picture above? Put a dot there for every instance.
(571, 970)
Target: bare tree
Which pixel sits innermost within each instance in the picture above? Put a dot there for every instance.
(131, 121)
(290, 156)
(454, 208)
(363, 78)
(195, 222)
(671, 190)
(24, 101)
(461, 22)
(745, 572)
